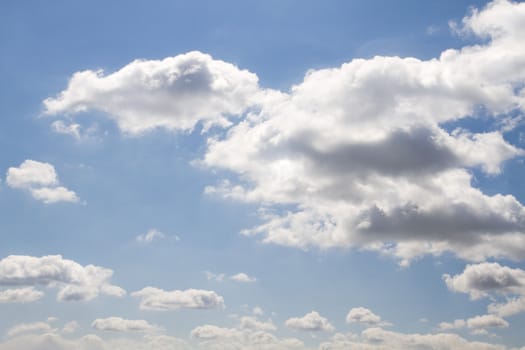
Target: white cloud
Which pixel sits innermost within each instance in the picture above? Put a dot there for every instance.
(159, 299)
(20, 295)
(220, 338)
(511, 306)
(380, 339)
(242, 277)
(210, 276)
(361, 153)
(175, 93)
(478, 324)
(75, 282)
(70, 327)
(72, 129)
(150, 236)
(118, 324)
(54, 194)
(362, 315)
(457, 324)
(310, 322)
(36, 327)
(54, 341)
(39, 179)
(487, 321)
(248, 322)
(258, 311)
(485, 279)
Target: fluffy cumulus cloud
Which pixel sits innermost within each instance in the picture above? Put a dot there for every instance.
(380, 339)
(175, 93)
(362, 315)
(74, 281)
(20, 295)
(41, 180)
(505, 286)
(361, 154)
(485, 279)
(362, 157)
(118, 324)
(159, 299)
(310, 322)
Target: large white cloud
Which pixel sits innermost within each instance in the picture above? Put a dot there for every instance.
(75, 282)
(174, 93)
(41, 180)
(312, 321)
(159, 299)
(361, 156)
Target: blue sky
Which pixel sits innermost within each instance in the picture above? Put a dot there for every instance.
(262, 175)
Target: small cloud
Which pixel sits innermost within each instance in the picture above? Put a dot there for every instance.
(310, 322)
(432, 30)
(218, 277)
(161, 300)
(41, 180)
(150, 236)
(258, 311)
(242, 277)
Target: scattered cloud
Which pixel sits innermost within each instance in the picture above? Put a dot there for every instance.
(218, 277)
(52, 340)
(150, 236)
(36, 327)
(159, 299)
(118, 324)
(20, 295)
(74, 281)
(361, 153)
(239, 277)
(379, 339)
(214, 337)
(494, 281)
(242, 277)
(41, 180)
(248, 322)
(363, 315)
(69, 327)
(476, 323)
(175, 93)
(310, 322)
(258, 311)
(485, 279)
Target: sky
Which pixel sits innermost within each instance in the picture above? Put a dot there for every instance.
(262, 175)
